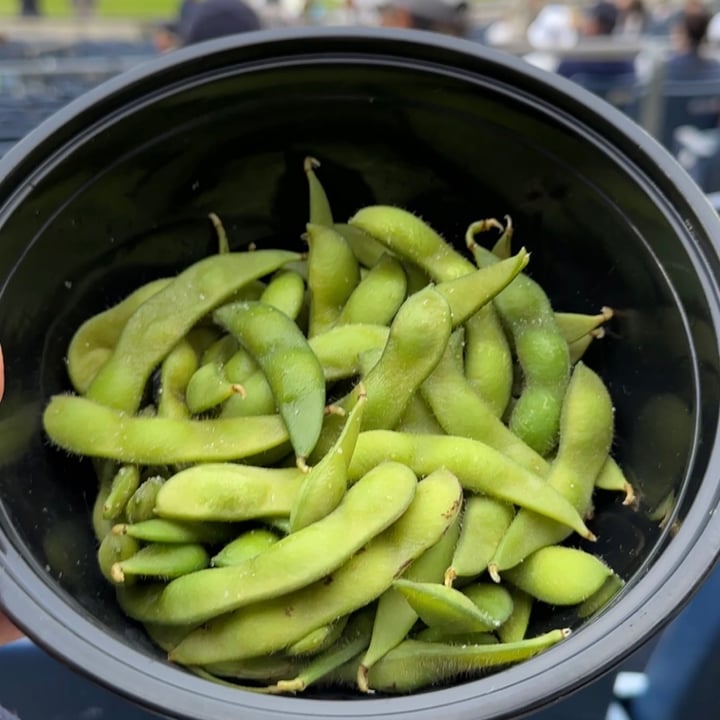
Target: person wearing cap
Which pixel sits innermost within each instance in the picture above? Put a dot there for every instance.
(448, 17)
(599, 20)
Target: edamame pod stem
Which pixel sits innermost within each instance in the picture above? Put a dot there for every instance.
(394, 617)
(541, 350)
(488, 359)
(413, 665)
(378, 296)
(84, 427)
(479, 468)
(339, 349)
(286, 292)
(408, 236)
(461, 411)
(297, 560)
(161, 561)
(289, 365)
(320, 212)
(324, 486)
(228, 492)
(248, 545)
(559, 575)
(586, 432)
(333, 273)
(278, 622)
(468, 293)
(611, 477)
(573, 326)
(95, 340)
(160, 322)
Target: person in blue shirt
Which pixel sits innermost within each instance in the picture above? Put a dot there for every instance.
(599, 20)
(689, 62)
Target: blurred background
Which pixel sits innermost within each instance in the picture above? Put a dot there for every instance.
(657, 61)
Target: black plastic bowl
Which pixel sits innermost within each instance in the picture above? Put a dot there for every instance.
(115, 190)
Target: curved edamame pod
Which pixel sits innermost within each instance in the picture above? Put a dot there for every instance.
(228, 492)
(94, 341)
(124, 484)
(297, 560)
(141, 506)
(161, 530)
(278, 622)
(320, 212)
(85, 427)
(248, 545)
(586, 432)
(366, 248)
(176, 371)
(573, 326)
(208, 387)
(256, 397)
(412, 238)
(161, 561)
(289, 365)
(151, 332)
(611, 477)
(419, 418)
(319, 639)
(515, 627)
(479, 468)
(286, 292)
(114, 549)
(559, 575)
(339, 349)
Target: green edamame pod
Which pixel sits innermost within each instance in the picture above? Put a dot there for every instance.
(410, 237)
(353, 641)
(494, 600)
(228, 492)
(161, 530)
(339, 349)
(559, 575)
(413, 665)
(502, 247)
(378, 296)
(611, 477)
(152, 331)
(438, 635)
(573, 326)
(324, 486)
(286, 292)
(484, 522)
(440, 606)
(333, 273)
(124, 484)
(468, 293)
(161, 561)
(84, 427)
(220, 351)
(541, 350)
(240, 366)
(419, 418)
(114, 549)
(480, 469)
(488, 359)
(166, 637)
(94, 342)
(248, 545)
(101, 525)
(394, 617)
(289, 365)
(515, 627)
(586, 432)
(320, 212)
(209, 387)
(176, 371)
(461, 411)
(320, 639)
(272, 625)
(255, 397)
(366, 248)
(297, 560)
(260, 669)
(601, 597)
(141, 505)
(578, 348)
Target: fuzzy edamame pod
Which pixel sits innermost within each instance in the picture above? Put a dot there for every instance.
(84, 427)
(208, 387)
(559, 575)
(515, 627)
(461, 411)
(394, 618)
(484, 522)
(413, 664)
(228, 492)
(94, 341)
(573, 326)
(586, 432)
(152, 330)
(276, 623)
(479, 468)
(324, 486)
(176, 371)
(542, 352)
(246, 546)
(141, 506)
(611, 477)
(255, 397)
(124, 484)
(319, 639)
(410, 237)
(366, 248)
(297, 560)
(289, 365)
(286, 292)
(113, 549)
(320, 212)
(419, 418)
(162, 561)
(333, 273)
(378, 296)
(339, 349)
(170, 532)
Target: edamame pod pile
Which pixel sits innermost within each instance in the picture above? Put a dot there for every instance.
(368, 463)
